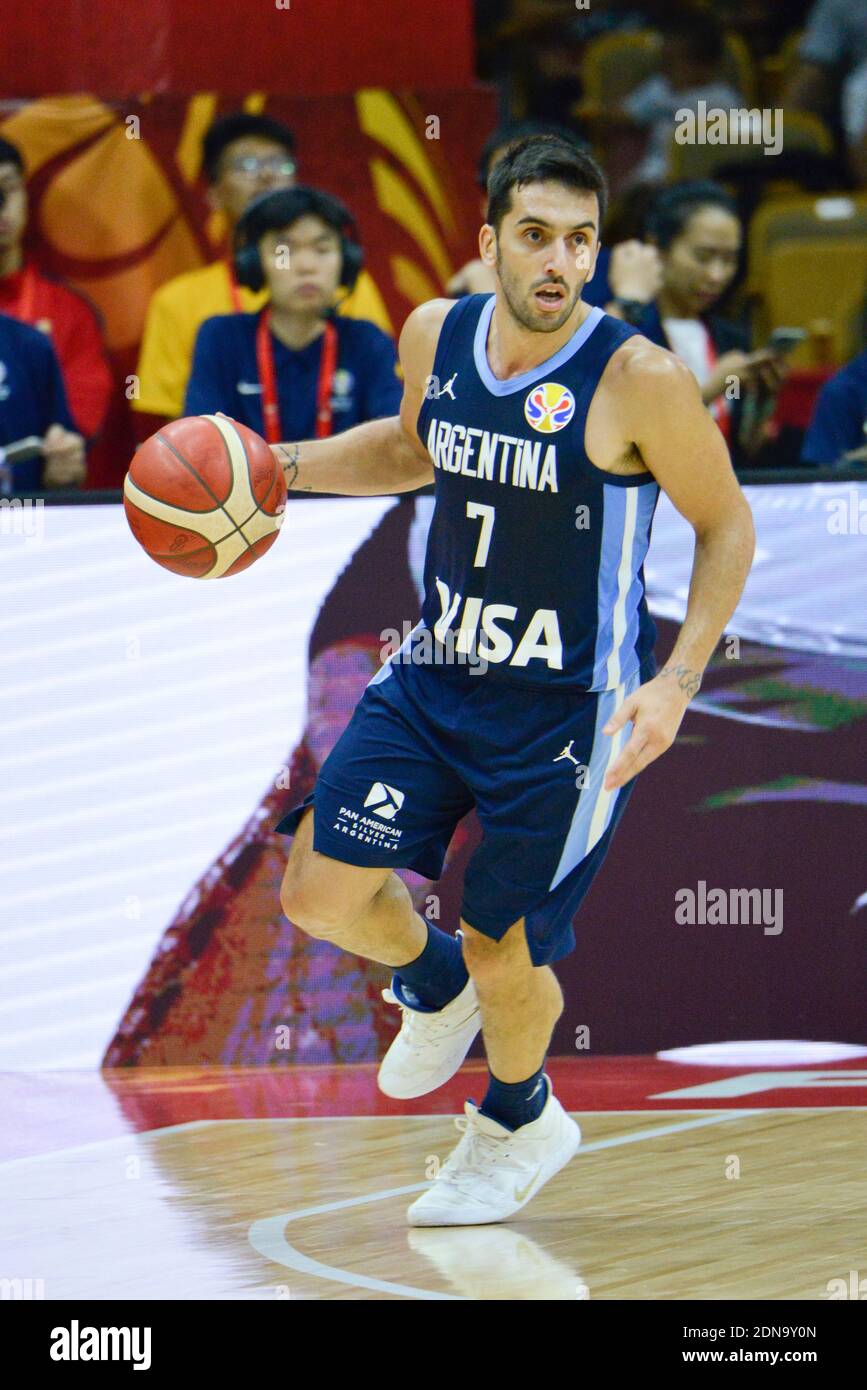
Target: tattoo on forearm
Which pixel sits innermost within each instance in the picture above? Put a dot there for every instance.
(289, 456)
(689, 681)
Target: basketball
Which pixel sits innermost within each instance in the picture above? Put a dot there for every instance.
(204, 496)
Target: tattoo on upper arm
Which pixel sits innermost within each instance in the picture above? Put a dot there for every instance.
(689, 681)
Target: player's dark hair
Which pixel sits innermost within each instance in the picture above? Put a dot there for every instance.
(675, 206)
(543, 159)
(226, 129)
(510, 133)
(10, 154)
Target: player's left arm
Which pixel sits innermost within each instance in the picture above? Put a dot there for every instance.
(663, 415)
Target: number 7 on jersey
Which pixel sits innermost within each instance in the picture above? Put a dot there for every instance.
(480, 509)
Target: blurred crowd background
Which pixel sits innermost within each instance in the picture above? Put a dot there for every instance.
(140, 269)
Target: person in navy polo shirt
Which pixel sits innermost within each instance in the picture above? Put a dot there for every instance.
(33, 403)
(839, 423)
(296, 369)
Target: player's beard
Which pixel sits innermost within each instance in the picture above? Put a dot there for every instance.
(515, 294)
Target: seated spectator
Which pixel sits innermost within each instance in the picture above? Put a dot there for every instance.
(244, 156)
(833, 45)
(60, 312)
(855, 121)
(692, 54)
(698, 234)
(617, 272)
(839, 423)
(539, 48)
(295, 370)
(33, 403)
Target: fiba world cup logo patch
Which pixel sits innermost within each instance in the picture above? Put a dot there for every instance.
(549, 407)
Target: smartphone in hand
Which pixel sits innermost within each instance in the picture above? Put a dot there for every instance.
(785, 340)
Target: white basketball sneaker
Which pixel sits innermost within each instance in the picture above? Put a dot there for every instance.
(494, 1171)
(430, 1047)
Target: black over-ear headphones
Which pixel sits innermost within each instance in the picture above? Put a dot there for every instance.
(270, 212)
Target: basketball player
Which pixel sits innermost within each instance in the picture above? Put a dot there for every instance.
(548, 429)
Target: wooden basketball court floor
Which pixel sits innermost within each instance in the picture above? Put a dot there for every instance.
(282, 1183)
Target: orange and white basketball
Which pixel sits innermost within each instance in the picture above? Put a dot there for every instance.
(204, 496)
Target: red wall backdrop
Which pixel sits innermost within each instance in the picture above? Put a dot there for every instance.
(356, 80)
(118, 216)
(308, 48)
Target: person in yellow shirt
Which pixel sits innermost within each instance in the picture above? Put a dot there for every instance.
(244, 155)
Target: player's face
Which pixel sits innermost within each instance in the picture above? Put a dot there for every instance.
(545, 252)
(251, 165)
(13, 213)
(701, 262)
(302, 265)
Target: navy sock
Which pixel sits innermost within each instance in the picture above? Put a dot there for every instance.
(435, 977)
(515, 1103)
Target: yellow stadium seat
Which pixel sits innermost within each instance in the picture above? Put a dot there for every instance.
(807, 262)
(778, 67)
(739, 70)
(801, 131)
(614, 64)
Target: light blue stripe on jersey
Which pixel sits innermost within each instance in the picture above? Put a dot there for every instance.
(596, 805)
(627, 514)
(647, 495)
(385, 668)
(544, 369)
(614, 500)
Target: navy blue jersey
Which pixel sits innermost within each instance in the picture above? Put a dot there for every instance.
(534, 558)
(225, 376)
(32, 398)
(839, 420)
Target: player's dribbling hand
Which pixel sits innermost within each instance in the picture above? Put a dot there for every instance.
(656, 710)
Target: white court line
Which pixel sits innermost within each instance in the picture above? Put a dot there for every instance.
(129, 1138)
(267, 1236)
(709, 1117)
(307, 1119)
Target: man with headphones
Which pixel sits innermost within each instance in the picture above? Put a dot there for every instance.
(297, 368)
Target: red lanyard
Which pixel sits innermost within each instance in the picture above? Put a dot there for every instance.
(268, 378)
(234, 290)
(719, 408)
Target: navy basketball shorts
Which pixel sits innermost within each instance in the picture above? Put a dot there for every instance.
(427, 743)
